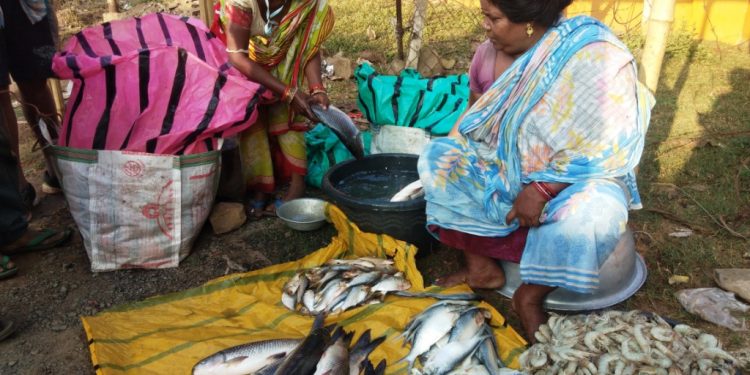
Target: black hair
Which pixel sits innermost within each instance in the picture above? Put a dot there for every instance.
(541, 12)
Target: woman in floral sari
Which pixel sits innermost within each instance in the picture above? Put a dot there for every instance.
(276, 43)
(544, 159)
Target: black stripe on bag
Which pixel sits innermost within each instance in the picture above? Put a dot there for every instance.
(430, 82)
(107, 28)
(250, 107)
(224, 67)
(196, 40)
(371, 87)
(102, 128)
(139, 31)
(144, 76)
(394, 98)
(184, 19)
(209, 144)
(453, 87)
(415, 117)
(70, 61)
(208, 115)
(174, 99)
(85, 44)
(458, 104)
(164, 29)
(361, 100)
(442, 103)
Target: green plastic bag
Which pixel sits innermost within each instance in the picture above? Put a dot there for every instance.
(433, 104)
(324, 150)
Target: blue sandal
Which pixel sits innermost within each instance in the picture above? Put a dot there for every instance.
(5, 270)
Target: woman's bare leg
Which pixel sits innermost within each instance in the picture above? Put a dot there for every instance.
(296, 187)
(528, 301)
(480, 272)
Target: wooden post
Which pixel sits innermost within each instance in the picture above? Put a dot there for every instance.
(400, 30)
(415, 45)
(112, 6)
(57, 95)
(659, 23)
(207, 11)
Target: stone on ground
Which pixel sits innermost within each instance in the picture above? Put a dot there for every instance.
(226, 217)
(736, 280)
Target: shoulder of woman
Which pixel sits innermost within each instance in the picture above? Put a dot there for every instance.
(599, 56)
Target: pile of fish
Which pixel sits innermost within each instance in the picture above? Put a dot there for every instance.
(320, 353)
(452, 337)
(342, 284)
(616, 342)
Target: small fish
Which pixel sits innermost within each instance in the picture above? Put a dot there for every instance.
(364, 278)
(469, 324)
(343, 126)
(441, 360)
(390, 284)
(377, 370)
(432, 325)
(246, 358)
(288, 301)
(412, 191)
(356, 296)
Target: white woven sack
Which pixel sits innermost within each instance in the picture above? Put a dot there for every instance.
(137, 210)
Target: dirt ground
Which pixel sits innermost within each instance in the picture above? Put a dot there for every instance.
(55, 287)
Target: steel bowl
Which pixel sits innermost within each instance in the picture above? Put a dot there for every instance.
(303, 214)
(621, 275)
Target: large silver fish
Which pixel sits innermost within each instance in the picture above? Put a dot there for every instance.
(246, 358)
(335, 360)
(361, 350)
(304, 358)
(343, 126)
(442, 360)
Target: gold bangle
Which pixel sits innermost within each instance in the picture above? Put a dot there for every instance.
(290, 96)
(319, 91)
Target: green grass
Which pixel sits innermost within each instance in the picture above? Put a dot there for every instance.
(696, 164)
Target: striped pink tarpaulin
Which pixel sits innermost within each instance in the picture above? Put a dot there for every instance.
(159, 84)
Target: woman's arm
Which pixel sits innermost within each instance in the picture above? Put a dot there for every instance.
(238, 39)
(318, 93)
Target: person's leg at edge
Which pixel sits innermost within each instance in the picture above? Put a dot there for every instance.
(481, 272)
(40, 104)
(11, 127)
(528, 303)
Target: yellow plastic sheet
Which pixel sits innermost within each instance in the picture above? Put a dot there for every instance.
(169, 334)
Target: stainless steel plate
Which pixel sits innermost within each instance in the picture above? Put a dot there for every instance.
(621, 275)
(303, 214)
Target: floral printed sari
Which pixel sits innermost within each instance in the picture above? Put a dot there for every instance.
(569, 110)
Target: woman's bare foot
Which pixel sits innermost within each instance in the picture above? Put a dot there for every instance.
(528, 303)
(481, 272)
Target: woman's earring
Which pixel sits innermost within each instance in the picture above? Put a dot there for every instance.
(529, 29)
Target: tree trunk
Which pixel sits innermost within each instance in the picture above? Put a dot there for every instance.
(400, 30)
(659, 23)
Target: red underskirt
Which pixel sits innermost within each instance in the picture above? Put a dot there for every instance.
(507, 248)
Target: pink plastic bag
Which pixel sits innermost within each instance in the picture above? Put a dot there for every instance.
(159, 84)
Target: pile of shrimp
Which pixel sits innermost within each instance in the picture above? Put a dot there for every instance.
(616, 342)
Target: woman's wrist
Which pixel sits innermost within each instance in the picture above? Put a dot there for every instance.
(542, 191)
(288, 94)
(318, 88)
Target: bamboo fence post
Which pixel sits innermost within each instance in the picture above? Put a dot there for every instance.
(113, 6)
(57, 95)
(659, 23)
(400, 30)
(206, 9)
(415, 45)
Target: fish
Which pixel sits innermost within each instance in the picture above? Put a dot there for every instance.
(443, 359)
(305, 357)
(390, 284)
(470, 323)
(335, 359)
(246, 358)
(361, 350)
(411, 191)
(437, 323)
(343, 127)
(377, 370)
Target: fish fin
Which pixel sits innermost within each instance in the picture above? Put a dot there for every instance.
(348, 338)
(277, 356)
(380, 368)
(362, 341)
(237, 360)
(318, 322)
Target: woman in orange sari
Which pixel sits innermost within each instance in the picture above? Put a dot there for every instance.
(276, 43)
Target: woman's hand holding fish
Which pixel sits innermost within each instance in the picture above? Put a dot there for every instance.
(320, 97)
(301, 104)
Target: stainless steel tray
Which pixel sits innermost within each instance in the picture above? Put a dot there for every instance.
(621, 275)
